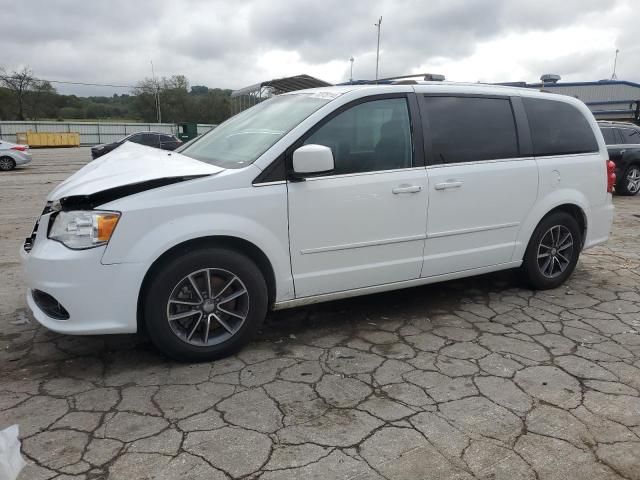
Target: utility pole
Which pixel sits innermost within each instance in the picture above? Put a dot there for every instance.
(157, 94)
(351, 77)
(378, 49)
(615, 63)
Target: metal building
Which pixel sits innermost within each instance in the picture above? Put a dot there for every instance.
(607, 99)
(253, 94)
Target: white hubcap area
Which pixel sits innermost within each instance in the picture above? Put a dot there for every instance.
(6, 164)
(633, 180)
(555, 251)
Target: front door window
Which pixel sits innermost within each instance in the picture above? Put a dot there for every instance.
(371, 136)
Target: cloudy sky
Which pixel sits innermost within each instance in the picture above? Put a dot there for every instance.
(232, 44)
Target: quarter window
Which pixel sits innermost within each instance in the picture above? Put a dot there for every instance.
(469, 129)
(370, 136)
(558, 128)
(136, 138)
(630, 135)
(609, 135)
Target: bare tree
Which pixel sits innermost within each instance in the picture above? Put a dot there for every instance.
(39, 100)
(19, 82)
(171, 92)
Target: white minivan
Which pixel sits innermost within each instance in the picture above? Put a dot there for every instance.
(317, 195)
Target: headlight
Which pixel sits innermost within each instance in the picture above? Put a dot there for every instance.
(83, 229)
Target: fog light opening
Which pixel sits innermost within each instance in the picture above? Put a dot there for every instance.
(50, 305)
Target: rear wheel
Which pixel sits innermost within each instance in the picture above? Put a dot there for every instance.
(552, 253)
(629, 183)
(205, 305)
(7, 163)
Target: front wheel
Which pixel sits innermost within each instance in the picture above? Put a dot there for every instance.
(205, 304)
(552, 253)
(629, 183)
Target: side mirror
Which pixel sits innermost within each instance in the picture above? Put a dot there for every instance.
(312, 159)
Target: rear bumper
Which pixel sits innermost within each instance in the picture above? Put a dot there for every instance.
(99, 299)
(21, 158)
(599, 227)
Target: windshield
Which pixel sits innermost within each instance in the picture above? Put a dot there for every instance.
(239, 141)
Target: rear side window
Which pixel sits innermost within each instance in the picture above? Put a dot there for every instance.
(150, 139)
(558, 128)
(609, 135)
(630, 135)
(469, 129)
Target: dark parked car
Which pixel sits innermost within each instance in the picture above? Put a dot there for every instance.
(623, 143)
(151, 139)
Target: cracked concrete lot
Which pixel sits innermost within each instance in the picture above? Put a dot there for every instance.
(469, 379)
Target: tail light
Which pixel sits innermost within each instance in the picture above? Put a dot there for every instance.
(611, 176)
(20, 148)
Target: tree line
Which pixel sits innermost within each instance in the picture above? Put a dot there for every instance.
(25, 97)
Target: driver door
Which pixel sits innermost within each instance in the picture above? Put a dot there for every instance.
(363, 224)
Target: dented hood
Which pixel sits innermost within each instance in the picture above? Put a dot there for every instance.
(131, 164)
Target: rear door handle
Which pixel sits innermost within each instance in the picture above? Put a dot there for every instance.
(450, 184)
(407, 189)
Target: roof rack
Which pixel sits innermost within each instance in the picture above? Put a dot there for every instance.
(427, 77)
(400, 79)
(616, 122)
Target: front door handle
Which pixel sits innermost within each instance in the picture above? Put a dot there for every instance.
(449, 184)
(407, 189)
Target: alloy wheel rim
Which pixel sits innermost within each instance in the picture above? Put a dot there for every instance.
(5, 164)
(207, 307)
(555, 251)
(633, 180)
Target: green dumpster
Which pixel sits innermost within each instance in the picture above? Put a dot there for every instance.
(187, 131)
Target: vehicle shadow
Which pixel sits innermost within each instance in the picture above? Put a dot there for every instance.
(30, 345)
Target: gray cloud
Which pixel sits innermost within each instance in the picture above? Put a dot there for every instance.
(227, 44)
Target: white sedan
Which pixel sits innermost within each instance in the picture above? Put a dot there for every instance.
(13, 155)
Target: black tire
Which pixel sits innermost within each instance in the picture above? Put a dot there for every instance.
(535, 271)
(7, 163)
(624, 183)
(174, 281)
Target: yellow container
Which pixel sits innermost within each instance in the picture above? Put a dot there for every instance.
(49, 139)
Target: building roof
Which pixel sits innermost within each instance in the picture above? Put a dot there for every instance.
(283, 85)
(616, 123)
(570, 84)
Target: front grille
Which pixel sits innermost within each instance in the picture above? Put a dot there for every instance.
(50, 305)
(31, 239)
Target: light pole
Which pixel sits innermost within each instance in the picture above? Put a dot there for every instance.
(378, 49)
(157, 95)
(615, 62)
(351, 77)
